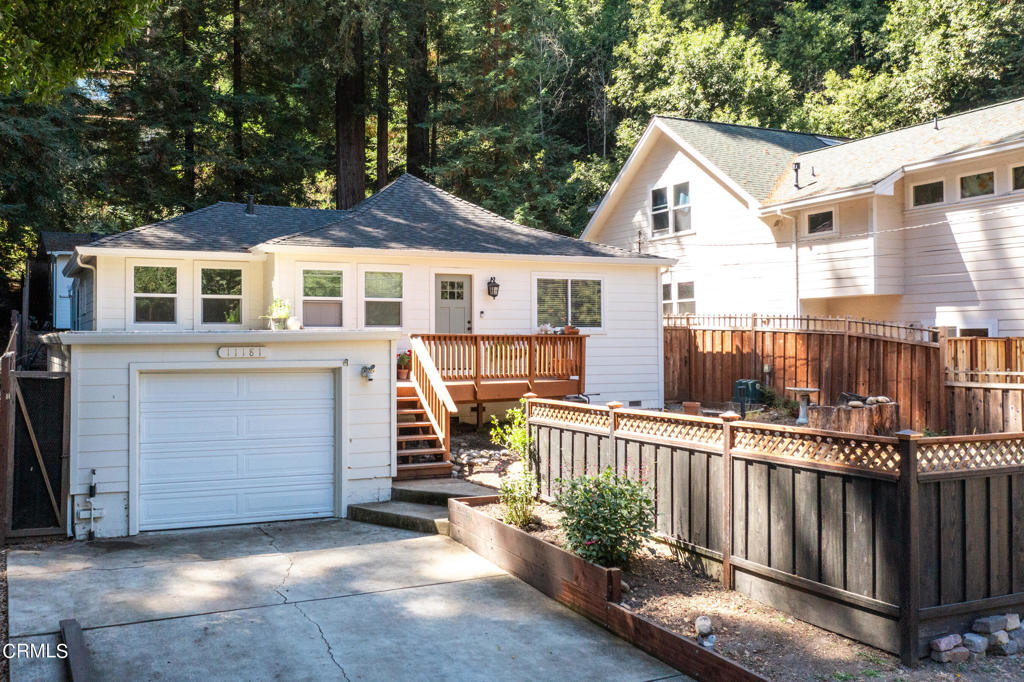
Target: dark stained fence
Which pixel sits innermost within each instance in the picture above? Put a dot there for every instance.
(821, 525)
(705, 355)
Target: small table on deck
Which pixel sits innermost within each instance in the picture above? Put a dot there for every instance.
(804, 396)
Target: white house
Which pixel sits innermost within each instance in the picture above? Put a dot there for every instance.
(923, 224)
(58, 248)
(187, 411)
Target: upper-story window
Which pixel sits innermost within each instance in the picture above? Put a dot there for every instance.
(669, 218)
(977, 185)
(929, 193)
(820, 223)
(382, 296)
(155, 293)
(678, 299)
(1017, 181)
(322, 298)
(562, 301)
(220, 293)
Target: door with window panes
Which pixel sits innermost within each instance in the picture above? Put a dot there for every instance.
(453, 304)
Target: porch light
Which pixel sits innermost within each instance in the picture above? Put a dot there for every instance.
(492, 288)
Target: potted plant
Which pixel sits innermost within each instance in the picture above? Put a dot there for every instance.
(277, 313)
(404, 360)
(569, 329)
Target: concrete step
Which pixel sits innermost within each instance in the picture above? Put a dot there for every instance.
(436, 490)
(425, 518)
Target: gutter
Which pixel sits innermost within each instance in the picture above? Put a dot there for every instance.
(469, 255)
(136, 338)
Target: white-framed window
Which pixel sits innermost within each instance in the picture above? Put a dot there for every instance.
(975, 185)
(569, 300)
(323, 297)
(926, 193)
(678, 298)
(382, 298)
(820, 222)
(670, 210)
(220, 295)
(154, 294)
(1017, 178)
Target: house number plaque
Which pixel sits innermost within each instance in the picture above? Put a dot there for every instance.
(241, 352)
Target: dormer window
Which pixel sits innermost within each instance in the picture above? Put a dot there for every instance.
(820, 223)
(674, 217)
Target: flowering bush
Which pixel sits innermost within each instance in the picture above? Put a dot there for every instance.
(607, 517)
(404, 359)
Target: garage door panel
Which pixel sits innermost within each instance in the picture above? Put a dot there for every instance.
(261, 449)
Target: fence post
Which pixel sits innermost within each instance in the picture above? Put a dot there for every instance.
(846, 353)
(613, 416)
(727, 438)
(909, 515)
(941, 381)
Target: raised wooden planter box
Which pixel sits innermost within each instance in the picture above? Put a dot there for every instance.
(582, 586)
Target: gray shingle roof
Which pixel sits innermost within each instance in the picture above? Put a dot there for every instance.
(413, 214)
(753, 157)
(223, 226)
(57, 242)
(407, 214)
(870, 159)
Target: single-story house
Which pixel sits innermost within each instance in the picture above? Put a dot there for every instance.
(186, 410)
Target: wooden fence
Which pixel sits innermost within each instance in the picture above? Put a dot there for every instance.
(985, 385)
(890, 541)
(705, 355)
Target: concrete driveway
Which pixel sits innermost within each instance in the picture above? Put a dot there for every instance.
(328, 599)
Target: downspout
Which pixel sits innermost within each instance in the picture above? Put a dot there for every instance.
(796, 257)
(95, 283)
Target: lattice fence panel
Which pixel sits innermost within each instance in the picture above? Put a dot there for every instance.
(968, 455)
(870, 454)
(571, 415)
(670, 427)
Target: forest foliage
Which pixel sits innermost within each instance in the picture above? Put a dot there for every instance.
(527, 107)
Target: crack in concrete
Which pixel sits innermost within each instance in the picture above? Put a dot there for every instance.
(286, 555)
(330, 649)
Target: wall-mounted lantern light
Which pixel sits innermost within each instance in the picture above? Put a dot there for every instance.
(492, 288)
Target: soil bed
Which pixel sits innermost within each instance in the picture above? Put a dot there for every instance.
(765, 640)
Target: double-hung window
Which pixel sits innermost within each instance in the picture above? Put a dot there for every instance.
(220, 293)
(382, 298)
(671, 217)
(562, 301)
(155, 294)
(678, 298)
(322, 298)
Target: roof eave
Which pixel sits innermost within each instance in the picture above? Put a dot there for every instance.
(150, 252)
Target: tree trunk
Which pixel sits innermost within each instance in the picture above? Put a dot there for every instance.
(236, 106)
(350, 127)
(383, 103)
(418, 94)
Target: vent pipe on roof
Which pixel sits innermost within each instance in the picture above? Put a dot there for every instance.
(250, 206)
(796, 174)
(936, 122)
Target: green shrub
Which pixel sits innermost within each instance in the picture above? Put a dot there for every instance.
(518, 498)
(607, 517)
(513, 433)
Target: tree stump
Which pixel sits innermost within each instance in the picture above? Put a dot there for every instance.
(880, 419)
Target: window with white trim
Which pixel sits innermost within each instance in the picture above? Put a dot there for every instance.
(155, 294)
(671, 217)
(1017, 178)
(220, 295)
(681, 207)
(821, 223)
(977, 185)
(660, 216)
(382, 299)
(562, 301)
(322, 298)
(678, 299)
(928, 193)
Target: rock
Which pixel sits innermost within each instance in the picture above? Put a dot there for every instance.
(855, 403)
(989, 624)
(975, 643)
(998, 637)
(1018, 637)
(954, 655)
(883, 399)
(871, 401)
(624, 585)
(975, 656)
(1007, 649)
(946, 642)
(1012, 621)
(703, 625)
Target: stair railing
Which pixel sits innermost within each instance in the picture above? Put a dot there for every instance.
(433, 393)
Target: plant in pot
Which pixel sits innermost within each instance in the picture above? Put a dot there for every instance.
(569, 329)
(277, 313)
(404, 361)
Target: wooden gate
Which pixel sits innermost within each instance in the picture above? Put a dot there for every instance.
(34, 435)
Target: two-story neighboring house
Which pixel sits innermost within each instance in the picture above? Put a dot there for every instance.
(923, 224)
(186, 410)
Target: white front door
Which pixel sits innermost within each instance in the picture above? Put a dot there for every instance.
(219, 448)
(453, 302)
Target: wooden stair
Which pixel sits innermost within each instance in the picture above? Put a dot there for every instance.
(421, 451)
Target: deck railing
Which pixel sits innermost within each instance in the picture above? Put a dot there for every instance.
(433, 393)
(486, 357)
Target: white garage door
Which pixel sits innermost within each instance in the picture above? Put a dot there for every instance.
(221, 448)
